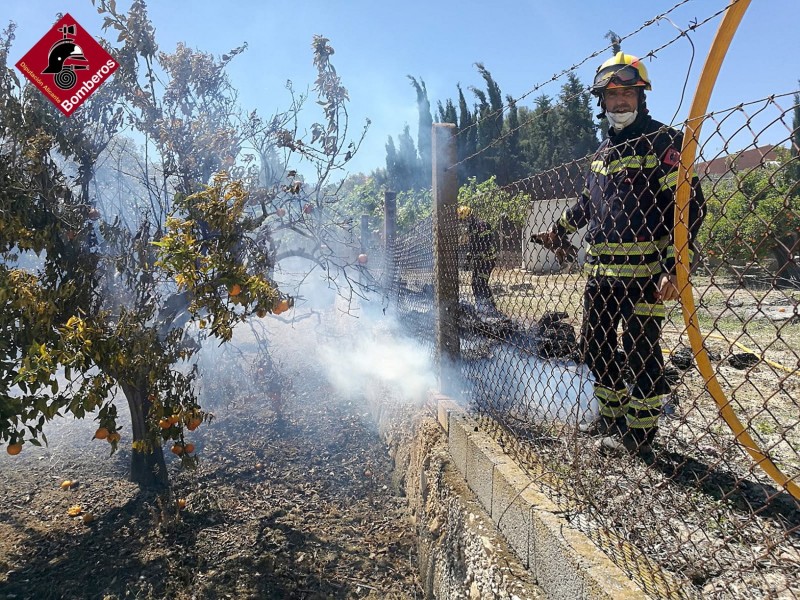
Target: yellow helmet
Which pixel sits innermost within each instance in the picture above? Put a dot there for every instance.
(464, 212)
(624, 70)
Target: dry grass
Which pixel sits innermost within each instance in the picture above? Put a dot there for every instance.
(706, 511)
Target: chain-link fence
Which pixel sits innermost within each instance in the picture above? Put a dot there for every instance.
(681, 463)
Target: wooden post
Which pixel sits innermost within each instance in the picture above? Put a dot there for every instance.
(365, 235)
(445, 255)
(389, 235)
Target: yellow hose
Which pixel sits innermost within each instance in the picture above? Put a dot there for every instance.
(705, 85)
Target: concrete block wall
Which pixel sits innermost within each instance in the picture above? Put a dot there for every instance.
(460, 553)
(484, 530)
(562, 560)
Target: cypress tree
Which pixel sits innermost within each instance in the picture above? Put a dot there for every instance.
(494, 156)
(483, 162)
(447, 112)
(515, 167)
(577, 133)
(424, 130)
(467, 140)
(391, 164)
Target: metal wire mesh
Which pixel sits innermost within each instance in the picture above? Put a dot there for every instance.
(545, 347)
(412, 288)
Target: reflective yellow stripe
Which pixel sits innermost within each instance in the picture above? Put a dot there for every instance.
(651, 403)
(566, 224)
(608, 395)
(648, 161)
(670, 180)
(612, 402)
(612, 411)
(649, 310)
(648, 422)
(645, 270)
(671, 253)
(627, 248)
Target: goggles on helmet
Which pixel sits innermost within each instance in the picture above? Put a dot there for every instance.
(623, 75)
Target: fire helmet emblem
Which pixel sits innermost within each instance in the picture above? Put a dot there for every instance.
(64, 58)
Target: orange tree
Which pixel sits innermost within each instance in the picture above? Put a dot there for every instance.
(493, 203)
(90, 307)
(67, 346)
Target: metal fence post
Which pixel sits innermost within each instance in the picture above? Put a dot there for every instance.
(445, 254)
(389, 236)
(364, 233)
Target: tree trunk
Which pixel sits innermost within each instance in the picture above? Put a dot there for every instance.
(788, 270)
(148, 469)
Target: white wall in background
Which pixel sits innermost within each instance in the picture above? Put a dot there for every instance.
(542, 215)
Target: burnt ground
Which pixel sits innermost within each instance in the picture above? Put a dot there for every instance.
(292, 505)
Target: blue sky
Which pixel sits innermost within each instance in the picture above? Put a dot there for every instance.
(523, 44)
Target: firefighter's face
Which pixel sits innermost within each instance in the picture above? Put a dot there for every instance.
(621, 100)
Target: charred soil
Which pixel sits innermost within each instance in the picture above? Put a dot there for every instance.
(292, 505)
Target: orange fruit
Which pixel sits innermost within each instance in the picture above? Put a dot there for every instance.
(177, 449)
(181, 503)
(74, 511)
(235, 290)
(174, 419)
(87, 518)
(65, 485)
(281, 307)
(101, 433)
(261, 313)
(188, 448)
(194, 423)
(165, 423)
(14, 449)
(113, 437)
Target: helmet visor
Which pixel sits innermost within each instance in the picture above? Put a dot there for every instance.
(624, 75)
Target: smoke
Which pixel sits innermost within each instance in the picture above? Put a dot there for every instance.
(354, 343)
(398, 363)
(542, 389)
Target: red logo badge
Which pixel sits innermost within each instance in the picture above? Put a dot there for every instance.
(672, 157)
(67, 65)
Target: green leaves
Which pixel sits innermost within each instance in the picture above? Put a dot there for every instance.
(754, 214)
(491, 203)
(202, 250)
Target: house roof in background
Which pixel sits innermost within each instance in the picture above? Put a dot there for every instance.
(738, 161)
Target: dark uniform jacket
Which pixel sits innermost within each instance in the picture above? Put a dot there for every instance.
(629, 201)
(482, 239)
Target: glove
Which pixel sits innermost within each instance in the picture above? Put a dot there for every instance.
(558, 244)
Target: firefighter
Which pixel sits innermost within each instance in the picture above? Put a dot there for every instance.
(482, 255)
(628, 208)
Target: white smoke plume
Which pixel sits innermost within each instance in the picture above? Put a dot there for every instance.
(399, 363)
